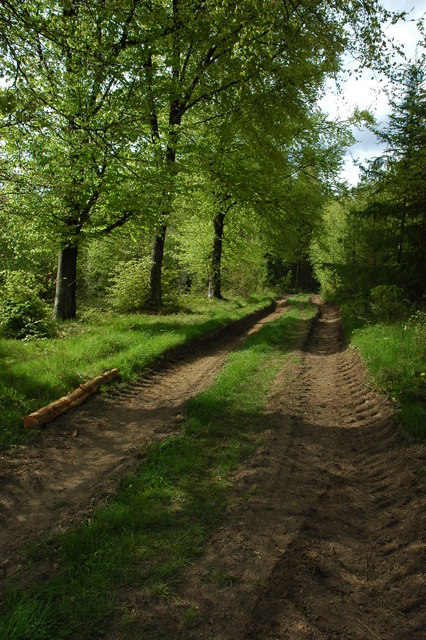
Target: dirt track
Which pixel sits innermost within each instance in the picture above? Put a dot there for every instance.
(83, 454)
(331, 543)
(324, 538)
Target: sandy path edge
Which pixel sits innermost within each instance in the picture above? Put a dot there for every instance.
(80, 457)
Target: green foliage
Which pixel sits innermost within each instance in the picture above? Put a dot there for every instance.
(388, 302)
(23, 314)
(172, 288)
(356, 312)
(244, 263)
(37, 372)
(130, 289)
(395, 355)
(328, 249)
(25, 245)
(100, 257)
(189, 241)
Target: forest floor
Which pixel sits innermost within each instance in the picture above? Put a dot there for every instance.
(323, 537)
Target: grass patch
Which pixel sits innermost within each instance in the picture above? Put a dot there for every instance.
(395, 357)
(158, 521)
(36, 372)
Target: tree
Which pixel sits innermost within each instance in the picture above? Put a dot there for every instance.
(374, 239)
(69, 134)
(281, 169)
(396, 181)
(405, 136)
(212, 51)
(107, 95)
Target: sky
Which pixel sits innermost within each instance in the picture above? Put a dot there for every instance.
(369, 91)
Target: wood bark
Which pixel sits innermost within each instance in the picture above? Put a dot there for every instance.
(401, 235)
(65, 297)
(176, 110)
(215, 284)
(78, 396)
(157, 253)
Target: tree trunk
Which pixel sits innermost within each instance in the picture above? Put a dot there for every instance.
(157, 252)
(296, 277)
(401, 237)
(215, 283)
(65, 297)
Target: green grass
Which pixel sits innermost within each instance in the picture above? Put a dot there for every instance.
(396, 358)
(36, 372)
(159, 520)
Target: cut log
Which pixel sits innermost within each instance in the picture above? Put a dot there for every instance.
(93, 385)
(54, 409)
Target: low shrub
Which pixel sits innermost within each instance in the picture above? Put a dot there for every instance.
(417, 321)
(171, 289)
(23, 314)
(388, 302)
(130, 288)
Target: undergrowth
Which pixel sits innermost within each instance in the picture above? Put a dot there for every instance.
(395, 355)
(158, 522)
(38, 371)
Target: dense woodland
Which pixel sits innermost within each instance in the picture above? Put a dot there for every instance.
(154, 149)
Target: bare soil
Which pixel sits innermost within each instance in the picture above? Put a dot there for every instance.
(324, 536)
(81, 456)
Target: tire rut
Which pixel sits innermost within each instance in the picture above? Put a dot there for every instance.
(81, 456)
(329, 545)
(355, 567)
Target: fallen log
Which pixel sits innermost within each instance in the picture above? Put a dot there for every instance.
(58, 407)
(93, 385)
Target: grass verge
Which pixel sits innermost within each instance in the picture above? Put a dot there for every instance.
(36, 372)
(141, 541)
(394, 353)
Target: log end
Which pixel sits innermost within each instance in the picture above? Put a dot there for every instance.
(31, 422)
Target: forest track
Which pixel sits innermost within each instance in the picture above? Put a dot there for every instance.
(324, 539)
(81, 456)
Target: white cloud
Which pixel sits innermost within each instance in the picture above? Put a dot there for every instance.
(370, 91)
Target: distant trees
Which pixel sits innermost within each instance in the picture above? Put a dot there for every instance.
(400, 179)
(377, 235)
(109, 106)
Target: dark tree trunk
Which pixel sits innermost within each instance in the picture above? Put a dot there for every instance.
(296, 277)
(65, 297)
(157, 252)
(401, 237)
(215, 284)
